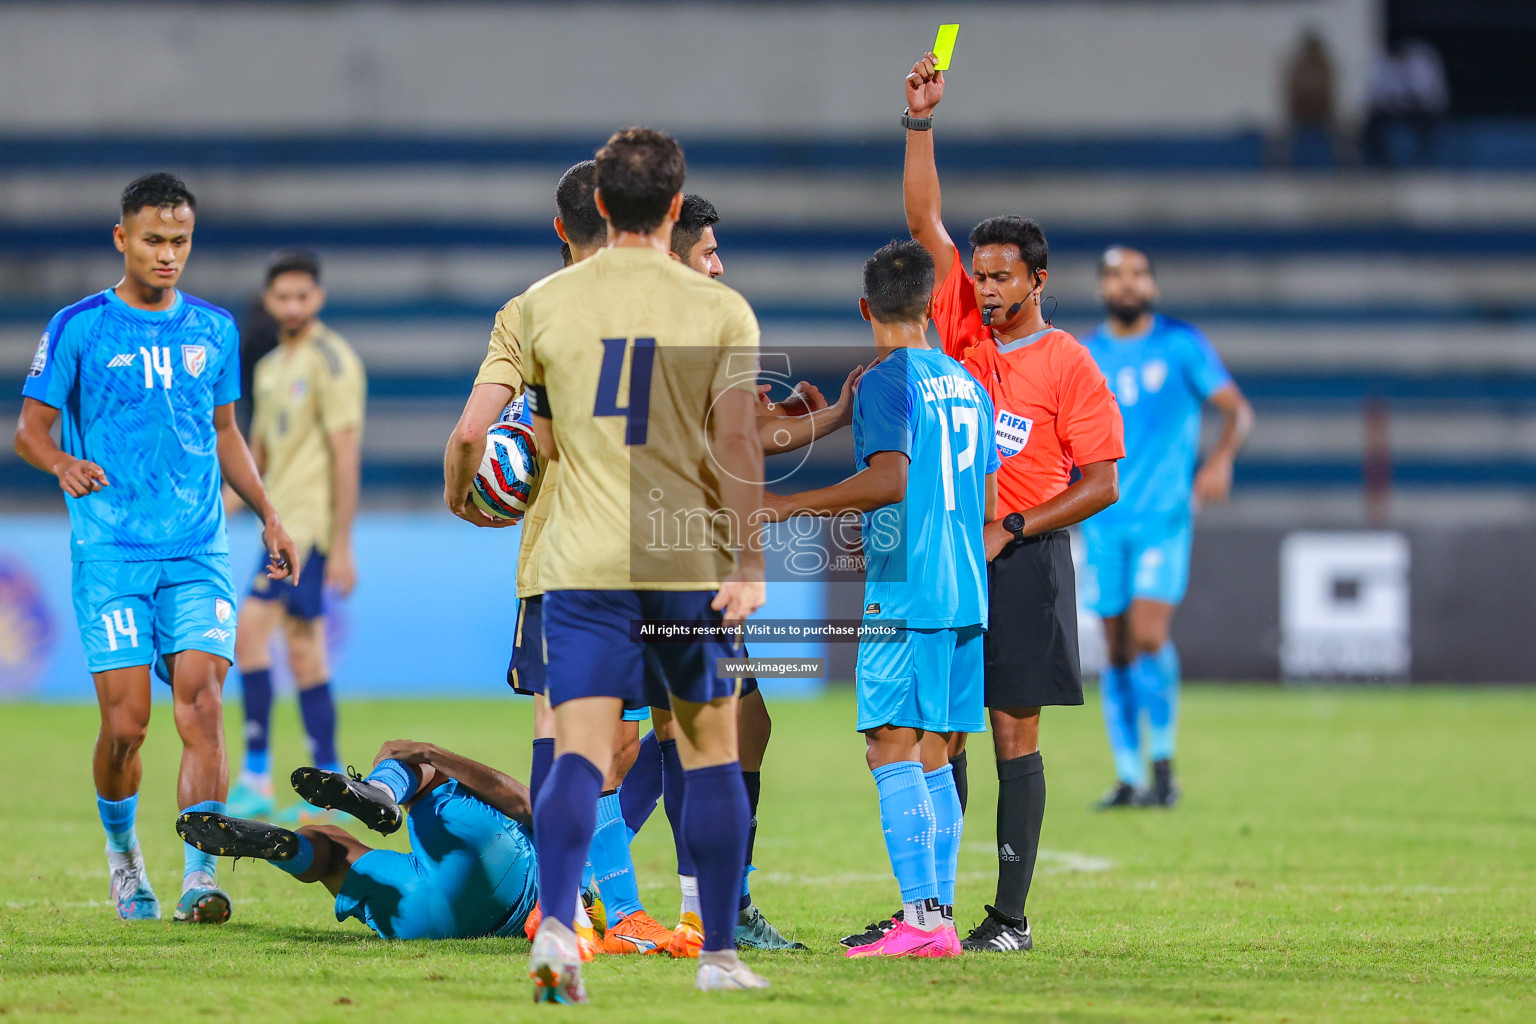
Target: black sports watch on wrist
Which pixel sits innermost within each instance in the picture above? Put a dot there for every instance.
(916, 124)
(1014, 524)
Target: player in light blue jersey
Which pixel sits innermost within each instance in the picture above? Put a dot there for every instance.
(926, 486)
(472, 869)
(1163, 372)
(146, 378)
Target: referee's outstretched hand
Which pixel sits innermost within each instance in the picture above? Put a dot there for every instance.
(925, 87)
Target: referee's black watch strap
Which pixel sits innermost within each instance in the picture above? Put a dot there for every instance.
(1014, 524)
(916, 124)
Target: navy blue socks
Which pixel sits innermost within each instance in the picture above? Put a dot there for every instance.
(318, 709)
(714, 823)
(256, 698)
(538, 771)
(564, 819)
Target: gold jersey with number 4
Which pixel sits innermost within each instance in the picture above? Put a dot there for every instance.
(631, 348)
(303, 393)
(503, 364)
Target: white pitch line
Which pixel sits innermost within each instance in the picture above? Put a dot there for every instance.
(1048, 862)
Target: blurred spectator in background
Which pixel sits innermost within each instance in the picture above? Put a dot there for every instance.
(258, 336)
(1408, 98)
(1311, 137)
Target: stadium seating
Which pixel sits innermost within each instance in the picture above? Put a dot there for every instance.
(1322, 290)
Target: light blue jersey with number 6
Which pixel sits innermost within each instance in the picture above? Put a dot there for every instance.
(925, 558)
(137, 390)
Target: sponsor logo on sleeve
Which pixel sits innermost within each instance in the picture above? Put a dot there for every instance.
(40, 358)
(194, 359)
(1012, 432)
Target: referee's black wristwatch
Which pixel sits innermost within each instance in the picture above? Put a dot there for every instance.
(1014, 524)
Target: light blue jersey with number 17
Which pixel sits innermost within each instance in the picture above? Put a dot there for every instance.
(137, 390)
(925, 557)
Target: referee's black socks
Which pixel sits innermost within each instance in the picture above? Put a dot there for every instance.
(1020, 809)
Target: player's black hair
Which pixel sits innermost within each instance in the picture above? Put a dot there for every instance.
(157, 190)
(898, 282)
(293, 261)
(698, 213)
(638, 173)
(1104, 258)
(584, 226)
(1020, 232)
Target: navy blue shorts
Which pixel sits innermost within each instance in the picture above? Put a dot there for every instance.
(589, 652)
(525, 672)
(305, 601)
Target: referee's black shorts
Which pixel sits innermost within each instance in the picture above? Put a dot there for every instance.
(1031, 640)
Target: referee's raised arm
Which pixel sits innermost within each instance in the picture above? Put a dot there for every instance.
(920, 175)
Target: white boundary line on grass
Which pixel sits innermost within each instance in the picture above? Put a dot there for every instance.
(1048, 862)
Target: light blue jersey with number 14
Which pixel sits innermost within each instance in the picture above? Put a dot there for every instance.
(137, 390)
(925, 557)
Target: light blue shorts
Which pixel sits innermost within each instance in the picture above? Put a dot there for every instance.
(135, 613)
(931, 679)
(1147, 559)
(471, 871)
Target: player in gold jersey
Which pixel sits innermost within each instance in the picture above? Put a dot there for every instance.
(642, 375)
(306, 432)
(657, 772)
(582, 232)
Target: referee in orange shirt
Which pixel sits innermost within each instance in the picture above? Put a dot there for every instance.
(1054, 412)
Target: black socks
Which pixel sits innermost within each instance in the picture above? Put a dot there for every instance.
(1020, 809)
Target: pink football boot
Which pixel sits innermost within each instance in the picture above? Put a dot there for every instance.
(906, 940)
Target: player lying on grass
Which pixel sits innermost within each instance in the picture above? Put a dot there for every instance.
(471, 871)
(145, 377)
(926, 486)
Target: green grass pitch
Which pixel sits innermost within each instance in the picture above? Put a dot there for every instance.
(1340, 855)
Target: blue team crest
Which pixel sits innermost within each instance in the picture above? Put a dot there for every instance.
(1012, 432)
(26, 629)
(194, 359)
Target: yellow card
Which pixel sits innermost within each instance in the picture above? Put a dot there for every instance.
(944, 46)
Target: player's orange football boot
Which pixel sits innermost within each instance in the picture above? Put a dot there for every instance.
(638, 933)
(687, 937)
(587, 942)
(531, 928)
(597, 913)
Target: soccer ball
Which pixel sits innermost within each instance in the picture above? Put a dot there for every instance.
(507, 471)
